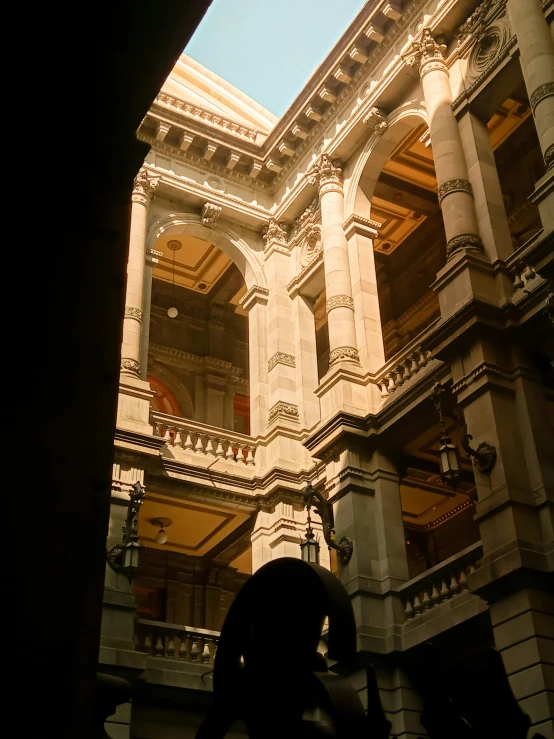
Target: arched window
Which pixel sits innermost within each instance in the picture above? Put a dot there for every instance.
(163, 400)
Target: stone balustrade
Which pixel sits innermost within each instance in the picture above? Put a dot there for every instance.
(209, 441)
(404, 365)
(441, 583)
(175, 642)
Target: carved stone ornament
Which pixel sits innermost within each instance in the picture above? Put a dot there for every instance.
(489, 50)
(339, 301)
(475, 24)
(542, 92)
(275, 231)
(307, 217)
(145, 183)
(130, 365)
(210, 214)
(464, 241)
(133, 312)
(326, 171)
(424, 49)
(344, 354)
(376, 119)
(283, 410)
(281, 358)
(455, 185)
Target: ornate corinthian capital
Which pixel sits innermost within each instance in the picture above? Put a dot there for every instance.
(275, 231)
(424, 49)
(145, 183)
(326, 171)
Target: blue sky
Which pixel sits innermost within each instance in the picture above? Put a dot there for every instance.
(269, 48)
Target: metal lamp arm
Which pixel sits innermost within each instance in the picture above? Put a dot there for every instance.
(314, 499)
(484, 455)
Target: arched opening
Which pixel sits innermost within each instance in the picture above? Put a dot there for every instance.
(398, 187)
(198, 332)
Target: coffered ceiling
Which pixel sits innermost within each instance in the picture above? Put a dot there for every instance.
(198, 264)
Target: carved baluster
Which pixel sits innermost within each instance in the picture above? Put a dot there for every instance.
(147, 646)
(472, 568)
(210, 446)
(199, 448)
(391, 387)
(206, 652)
(426, 600)
(219, 448)
(383, 388)
(417, 605)
(399, 376)
(250, 456)
(407, 371)
(214, 650)
(170, 651)
(194, 650)
(178, 441)
(435, 596)
(157, 428)
(422, 359)
(463, 581)
(159, 647)
(409, 610)
(230, 454)
(188, 440)
(240, 454)
(183, 651)
(414, 367)
(454, 585)
(445, 592)
(429, 357)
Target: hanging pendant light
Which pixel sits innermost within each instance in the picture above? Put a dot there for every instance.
(174, 245)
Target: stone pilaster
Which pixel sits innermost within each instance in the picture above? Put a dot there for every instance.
(338, 286)
(152, 258)
(134, 393)
(360, 233)
(455, 193)
(255, 302)
(536, 49)
(501, 401)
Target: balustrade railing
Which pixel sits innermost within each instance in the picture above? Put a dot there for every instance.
(175, 642)
(204, 440)
(405, 364)
(442, 582)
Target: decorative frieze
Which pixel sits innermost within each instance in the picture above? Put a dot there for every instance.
(376, 119)
(132, 312)
(339, 301)
(344, 353)
(475, 25)
(281, 358)
(549, 156)
(286, 411)
(542, 92)
(464, 241)
(210, 214)
(256, 294)
(455, 185)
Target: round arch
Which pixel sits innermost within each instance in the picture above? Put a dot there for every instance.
(376, 151)
(220, 236)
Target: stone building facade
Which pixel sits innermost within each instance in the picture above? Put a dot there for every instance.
(296, 288)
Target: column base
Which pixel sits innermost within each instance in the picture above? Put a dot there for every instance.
(344, 388)
(543, 198)
(133, 406)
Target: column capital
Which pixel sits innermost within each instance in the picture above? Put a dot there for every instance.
(426, 53)
(210, 214)
(144, 186)
(275, 237)
(327, 172)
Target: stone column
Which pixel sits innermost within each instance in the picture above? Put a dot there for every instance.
(151, 260)
(454, 189)
(143, 191)
(340, 305)
(536, 49)
(255, 302)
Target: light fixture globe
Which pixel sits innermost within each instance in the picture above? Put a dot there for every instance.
(172, 312)
(163, 523)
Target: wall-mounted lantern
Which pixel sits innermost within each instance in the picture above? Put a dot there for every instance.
(313, 498)
(123, 558)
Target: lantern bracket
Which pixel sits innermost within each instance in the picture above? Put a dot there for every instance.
(115, 556)
(314, 498)
(484, 456)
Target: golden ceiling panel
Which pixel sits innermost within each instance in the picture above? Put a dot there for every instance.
(195, 528)
(198, 264)
(426, 508)
(397, 223)
(506, 120)
(412, 160)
